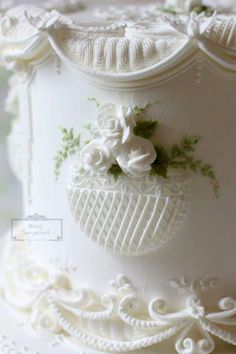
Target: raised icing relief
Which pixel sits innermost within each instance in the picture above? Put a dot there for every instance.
(146, 42)
(7, 346)
(126, 191)
(120, 321)
(128, 216)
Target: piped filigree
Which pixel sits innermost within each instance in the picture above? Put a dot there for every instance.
(7, 346)
(153, 43)
(130, 216)
(121, 320)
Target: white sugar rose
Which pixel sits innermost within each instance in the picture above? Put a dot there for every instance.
(220, 4)
(115, 124)
(95, 156)
(136, 156)
(183, 5)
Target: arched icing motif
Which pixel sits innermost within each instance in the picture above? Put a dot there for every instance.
(134, 49)
(118, 322)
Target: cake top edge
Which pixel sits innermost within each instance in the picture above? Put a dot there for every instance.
(135, 41)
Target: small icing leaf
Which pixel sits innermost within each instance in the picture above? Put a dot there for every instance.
(161, 164)
(93, 99)
(115, 170)
(70, 146)
(145, 128)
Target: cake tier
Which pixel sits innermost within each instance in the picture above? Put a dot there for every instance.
(144, 238)
(15, 339)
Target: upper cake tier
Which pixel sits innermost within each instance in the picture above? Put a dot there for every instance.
(151, 243)
(137, 42)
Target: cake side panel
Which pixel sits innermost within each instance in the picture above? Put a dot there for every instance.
(204, 241)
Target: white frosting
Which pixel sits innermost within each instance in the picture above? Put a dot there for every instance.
(31, 36)
(135, 157)
(114, 142)
(96, 157)
(139, 63)
(17, 151)
(118, 322)
(115, 125)
(8, 346)
(130, 215)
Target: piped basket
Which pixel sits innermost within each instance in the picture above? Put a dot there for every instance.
(130, 216)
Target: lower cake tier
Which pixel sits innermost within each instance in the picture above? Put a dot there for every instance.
(15, 339)
(56, 312)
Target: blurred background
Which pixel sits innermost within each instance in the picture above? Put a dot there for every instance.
(10, 188)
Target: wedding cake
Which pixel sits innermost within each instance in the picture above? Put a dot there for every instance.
(124, 139)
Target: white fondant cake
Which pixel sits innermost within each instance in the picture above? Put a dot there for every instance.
(125, 137)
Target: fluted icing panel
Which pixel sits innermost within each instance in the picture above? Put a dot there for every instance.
(155, 42)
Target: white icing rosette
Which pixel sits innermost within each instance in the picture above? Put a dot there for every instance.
(136, 156)
(115, 124)
(122, 207)
(96, 157)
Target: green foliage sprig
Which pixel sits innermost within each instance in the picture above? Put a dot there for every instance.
(198, 9)
(93, 99)
(145, 128)
(115, 170)
(182, 157)
(139, 111)
(161, 165)
(70, 146)
(168, 10)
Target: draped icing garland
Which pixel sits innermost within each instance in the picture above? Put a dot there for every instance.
(118, 322)
(33, 35)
